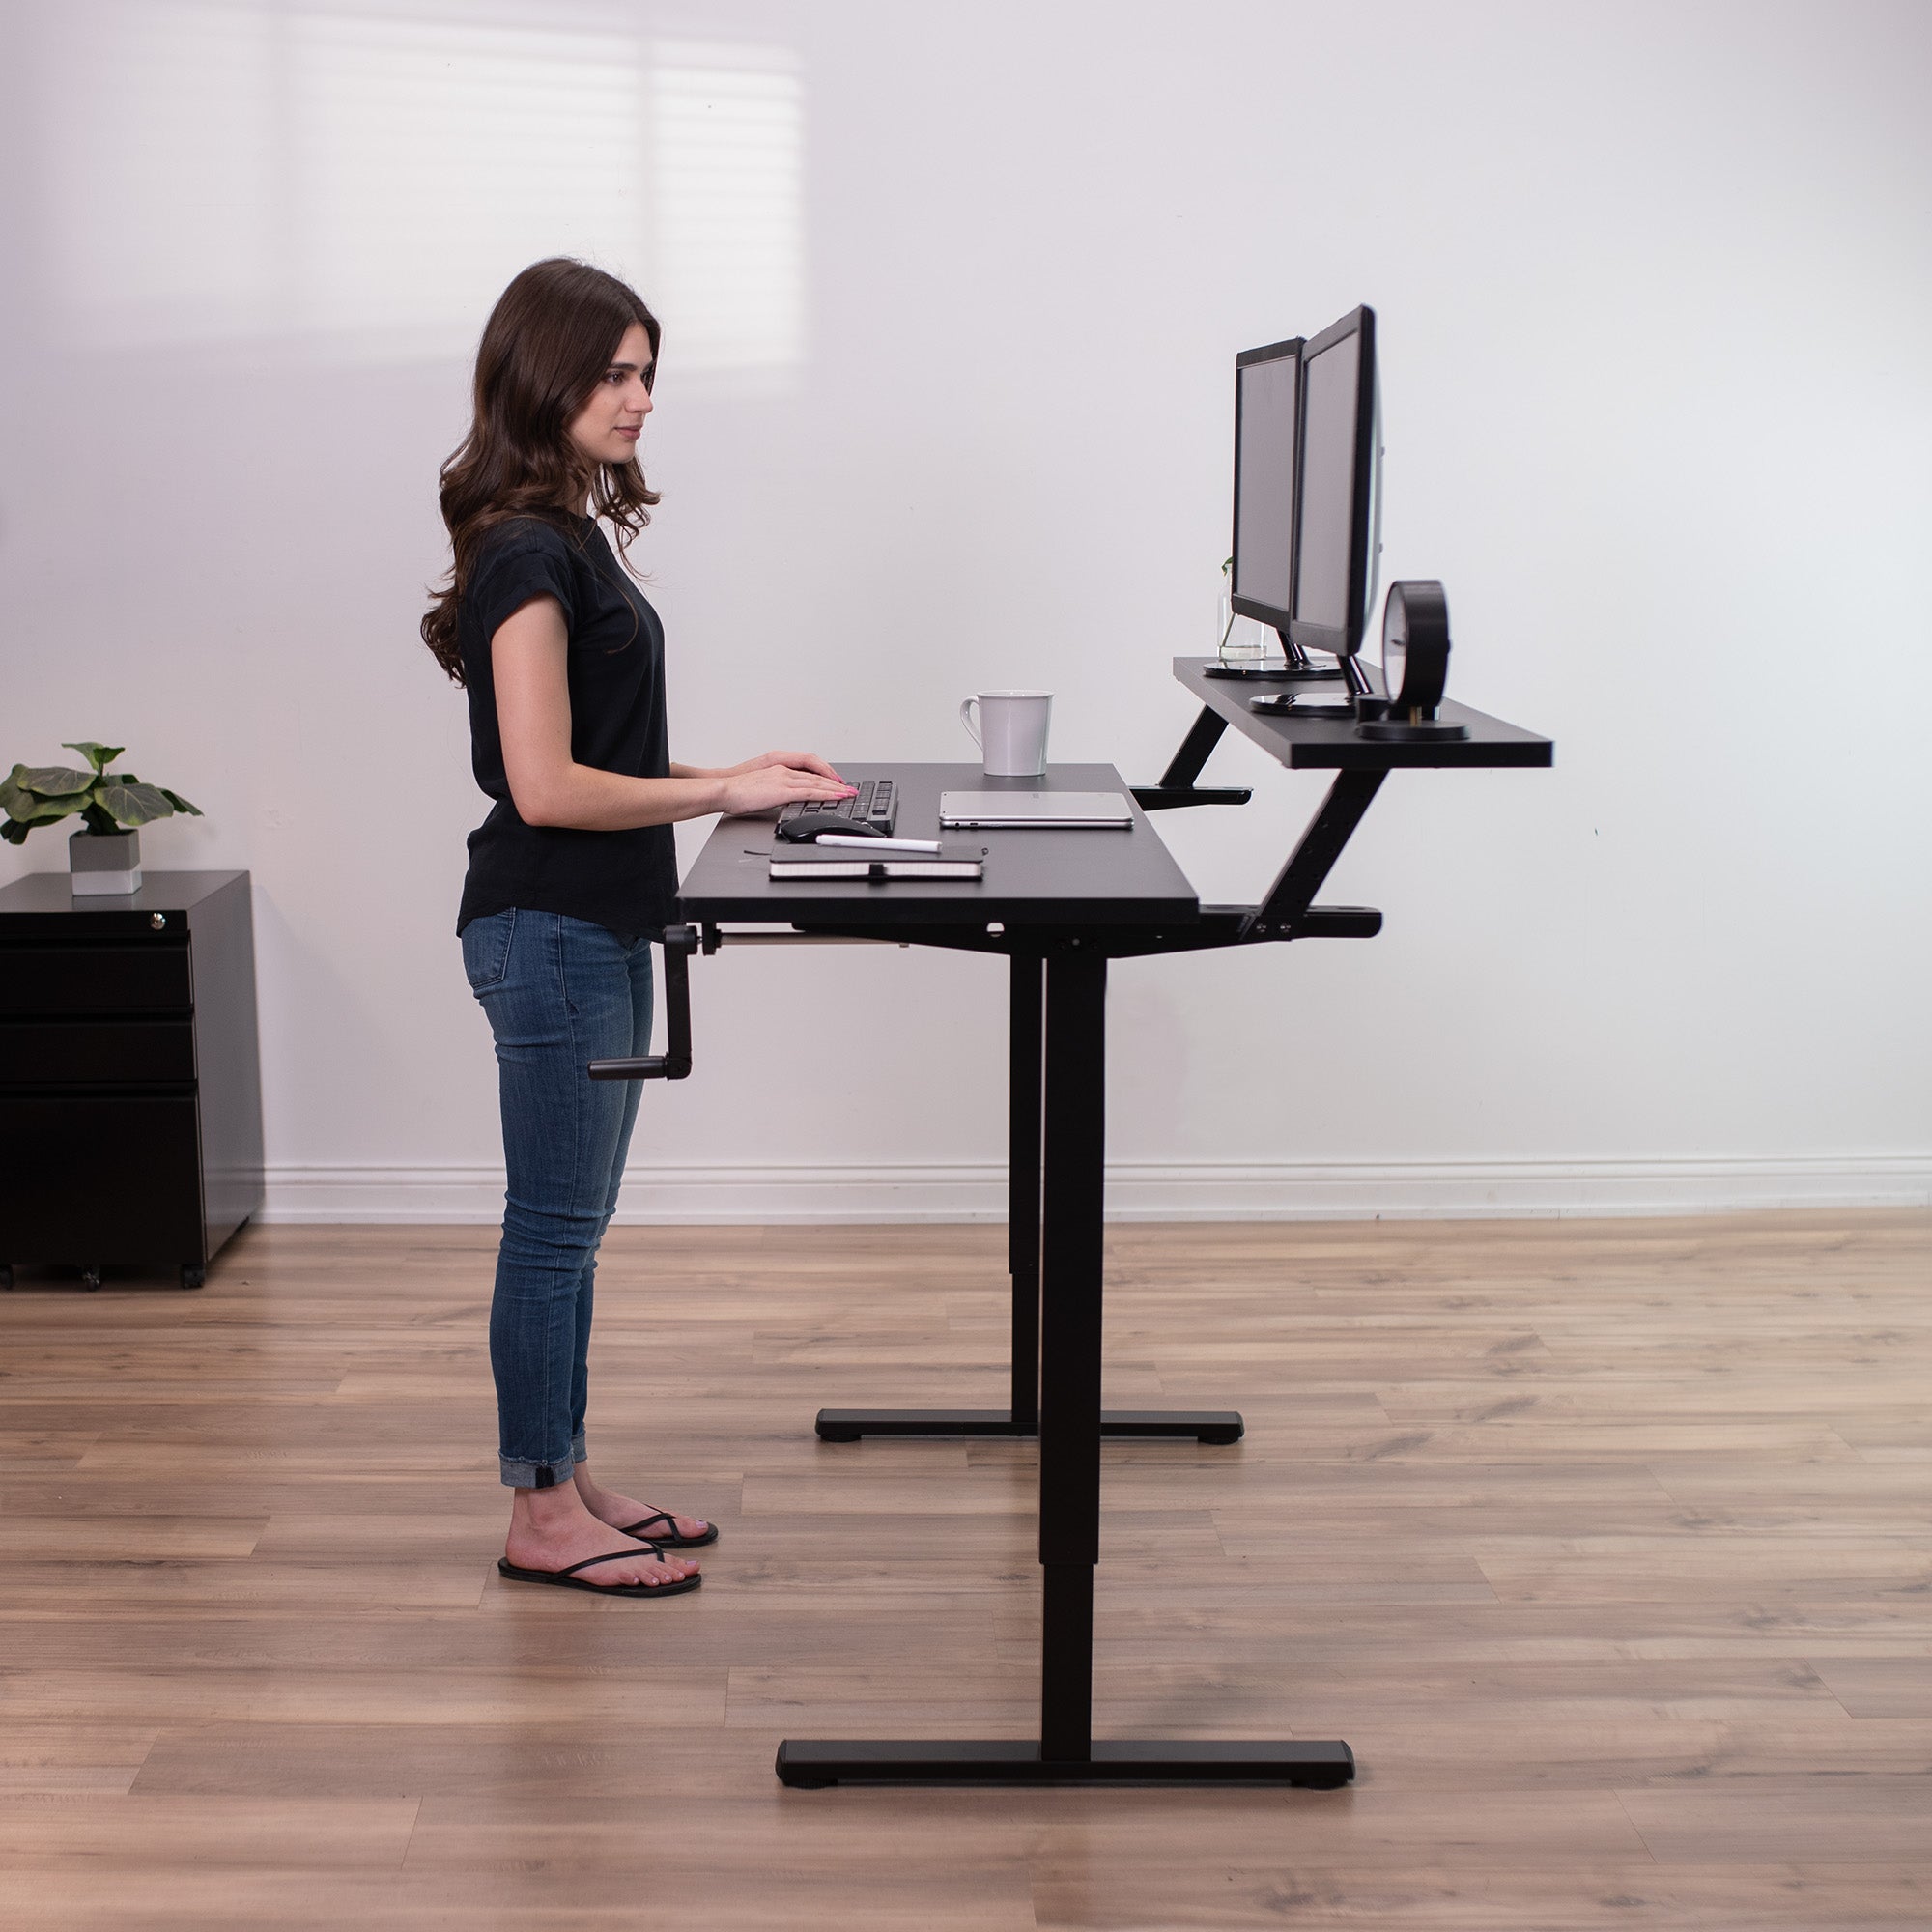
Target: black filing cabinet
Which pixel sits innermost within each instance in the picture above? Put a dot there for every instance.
(130, 1093)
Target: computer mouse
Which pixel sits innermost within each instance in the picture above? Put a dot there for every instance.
(803, 830)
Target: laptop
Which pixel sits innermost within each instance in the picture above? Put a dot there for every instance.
(1004, 810)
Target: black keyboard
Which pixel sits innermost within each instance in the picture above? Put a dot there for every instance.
(869, 814)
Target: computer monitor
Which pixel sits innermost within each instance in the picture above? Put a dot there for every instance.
(1268, 416)
(1268, 406)
(1338, 504)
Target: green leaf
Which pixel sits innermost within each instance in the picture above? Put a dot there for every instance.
(54, 781)
(19, 806)
(179, 804)
(28, 809)
(96, 820)
(100, 757)
(135, 803)
(14, 833)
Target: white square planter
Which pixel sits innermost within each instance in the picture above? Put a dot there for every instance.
(104, 862)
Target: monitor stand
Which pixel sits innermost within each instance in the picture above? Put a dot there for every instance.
(1300, 664)
(1297, 664)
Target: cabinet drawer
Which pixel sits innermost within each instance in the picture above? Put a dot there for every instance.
(109, 1179)
(91, 1052)
(94, 979)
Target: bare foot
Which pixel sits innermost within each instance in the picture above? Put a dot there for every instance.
(551, 1530)
(607, 1506)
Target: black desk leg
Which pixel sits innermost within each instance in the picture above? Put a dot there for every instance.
(1023, 1212)
(1072, 1228)
(1025, 1042)
(1066, 1752)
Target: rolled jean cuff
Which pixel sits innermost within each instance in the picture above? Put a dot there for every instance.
(537, 1475)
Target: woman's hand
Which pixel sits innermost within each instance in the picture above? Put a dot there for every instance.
(775, 780)
(800, 762)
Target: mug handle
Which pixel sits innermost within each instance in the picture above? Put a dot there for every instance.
(966, 710)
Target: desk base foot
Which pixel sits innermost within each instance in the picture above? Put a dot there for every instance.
(810, 1763)
(848, 1425)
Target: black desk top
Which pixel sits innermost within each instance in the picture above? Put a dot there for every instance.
(1330, 744)
(1099, 876)
(43, 905)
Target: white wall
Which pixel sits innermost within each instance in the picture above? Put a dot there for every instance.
(951, 295)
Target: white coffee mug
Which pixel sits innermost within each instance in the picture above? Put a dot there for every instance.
(1010, 731)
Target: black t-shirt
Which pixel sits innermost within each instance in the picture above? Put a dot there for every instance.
(623, 880)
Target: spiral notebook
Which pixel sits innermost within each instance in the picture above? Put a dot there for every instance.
(856, 866)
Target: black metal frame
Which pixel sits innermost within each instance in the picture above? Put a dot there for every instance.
(1071, 1424)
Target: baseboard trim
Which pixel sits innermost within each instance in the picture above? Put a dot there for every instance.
(1136, 1190)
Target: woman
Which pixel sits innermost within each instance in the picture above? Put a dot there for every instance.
(574, 870)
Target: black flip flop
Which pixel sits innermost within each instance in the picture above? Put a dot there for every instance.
(643, 1532)
(568, 1580)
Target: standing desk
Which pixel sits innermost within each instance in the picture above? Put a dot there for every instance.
(1061, 904)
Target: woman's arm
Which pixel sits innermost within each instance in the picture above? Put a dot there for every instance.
(529, 660)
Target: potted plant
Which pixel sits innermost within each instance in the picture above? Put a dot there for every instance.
(105, 855)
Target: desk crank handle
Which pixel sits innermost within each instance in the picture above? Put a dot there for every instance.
(680, 942)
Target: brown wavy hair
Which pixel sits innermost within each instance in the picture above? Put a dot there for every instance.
(545, 349)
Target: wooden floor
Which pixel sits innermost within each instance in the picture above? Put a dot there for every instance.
(1608, 1545)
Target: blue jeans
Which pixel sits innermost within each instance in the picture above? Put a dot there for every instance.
(559, 992)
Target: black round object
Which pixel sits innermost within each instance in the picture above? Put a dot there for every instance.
(1415, 648)
(1402, 732)
(192, 1276)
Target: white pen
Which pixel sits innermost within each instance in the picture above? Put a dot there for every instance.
(876, 844)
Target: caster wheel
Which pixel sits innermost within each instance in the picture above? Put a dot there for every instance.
(6, 1275)
(192, 1276)
(91, 1277)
